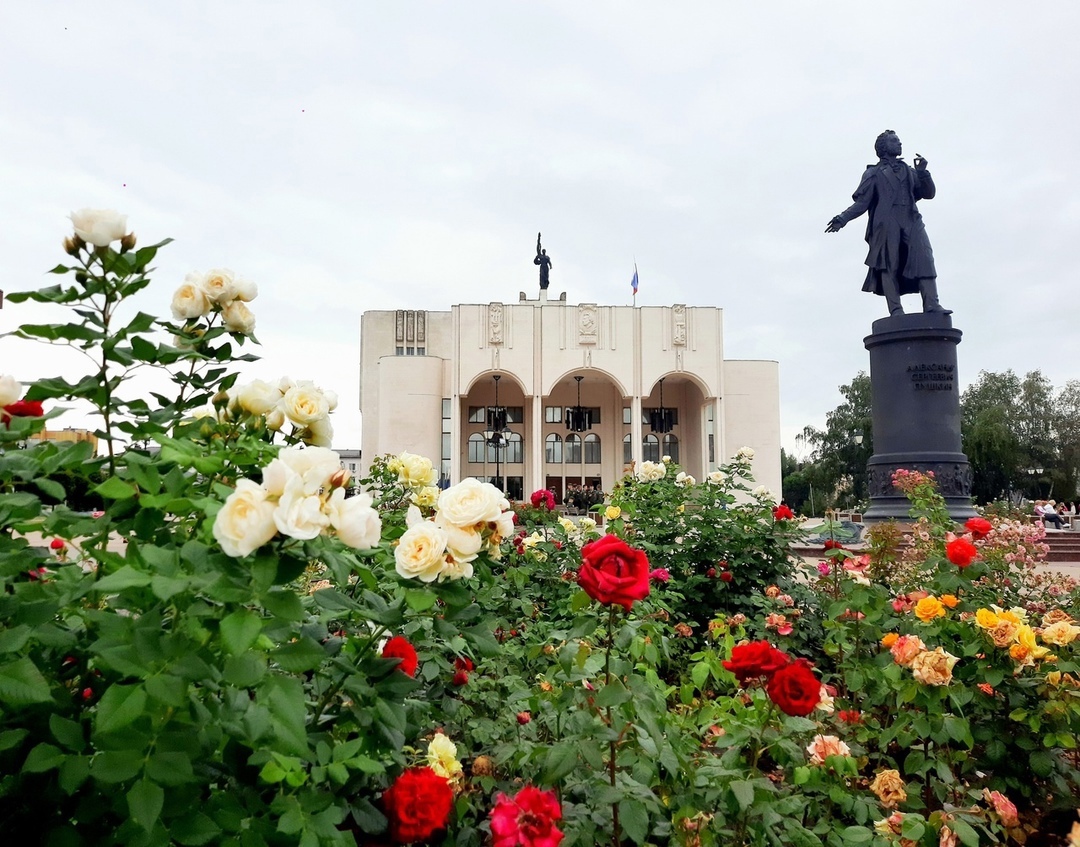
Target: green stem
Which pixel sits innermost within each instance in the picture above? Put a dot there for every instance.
(613, 745)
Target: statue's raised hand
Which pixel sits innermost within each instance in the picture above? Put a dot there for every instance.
(920, 163)
(835, 225)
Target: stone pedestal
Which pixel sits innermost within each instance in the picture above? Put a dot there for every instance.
(916, 407)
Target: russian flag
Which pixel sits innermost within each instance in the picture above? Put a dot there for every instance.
(634, 281)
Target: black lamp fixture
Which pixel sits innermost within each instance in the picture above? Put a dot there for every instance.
(578, 419)
(661, 420)
(497, 432)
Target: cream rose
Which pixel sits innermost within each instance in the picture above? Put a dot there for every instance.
(469, 503)
(684, 480)
(219, 285)
(299, 514)
(275, 419)
(745, 453)
(99, 227)
(442, 757)
(246, 521)
(190, 301)
(305, 403)
(257, 397)
(237, 317)
(10, 390)
(933, 667)
(717, 478)
(313, 465)
(651, 471)
(416, 471)
(320, 433)
(425, 497)
(1060, 633)
(245, 289)
(421, 552)
(357, 524)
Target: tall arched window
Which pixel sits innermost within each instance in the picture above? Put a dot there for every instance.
(650, 448)
(627, 449)
(573, 449)
(513, 452)
(671, 447)
(553, 449)
(592, 449)
(476, 448)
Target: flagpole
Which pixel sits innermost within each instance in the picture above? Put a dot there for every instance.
(634, 301)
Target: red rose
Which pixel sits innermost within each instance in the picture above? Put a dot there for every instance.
(528, 819)
(726, 576)
(399, 647)
(57, 544)
(758, 658)
(613, 572)
(463, 663)
(961, 552)
(833, 544)
(21, 409)
(524, 718)
(783, 513)
(795, 689)
(978, 527)
(710, 573)
(543, 499)
(460, 678)
(417, 805)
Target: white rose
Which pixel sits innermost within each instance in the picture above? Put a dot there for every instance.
(504, 528)
(10, 390)
(651, 471)
(463, 544)
(763, 493)
(219, 285)
(99, 227)
(190, 301)
(257, 397)
(237, 317)
(421, 552)
(304, 404)
(745, 453)
(246, 521)
(425, 497)
(298, 514)
(313, 465)
(469, 503)
(684, 480)
(245, 289)
(665, 459)
(416, 471)
(717, 478)
(456, 570)
(320, 433)
(357, 524)
(275, 419)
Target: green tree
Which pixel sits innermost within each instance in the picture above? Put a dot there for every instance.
(843, 448)
(989, 430)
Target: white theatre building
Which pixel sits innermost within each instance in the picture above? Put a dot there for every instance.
(491, 390)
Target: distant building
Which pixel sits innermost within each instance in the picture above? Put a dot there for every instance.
(66, 435)
(491, 390)
(350, 460)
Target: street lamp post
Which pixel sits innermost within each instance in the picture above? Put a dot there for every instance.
(495, 434)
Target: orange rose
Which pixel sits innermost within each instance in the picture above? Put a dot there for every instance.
(949, 601)
(906, 648)
(889, 640)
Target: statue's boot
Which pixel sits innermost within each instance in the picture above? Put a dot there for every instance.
(892, 294)
(928, 288)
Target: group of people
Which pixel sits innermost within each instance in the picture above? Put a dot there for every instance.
(582, 497)
(1054, 513)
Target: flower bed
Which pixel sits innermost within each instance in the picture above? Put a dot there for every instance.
(280, 654)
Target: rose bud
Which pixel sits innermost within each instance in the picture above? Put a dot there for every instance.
(726, 576)
(711, 573)
(523, 718)
(340, 478)
(127, 242)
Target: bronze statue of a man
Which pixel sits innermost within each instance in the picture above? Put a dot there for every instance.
(900, 258)
(544, 261)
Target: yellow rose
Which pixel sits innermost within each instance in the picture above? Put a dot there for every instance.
(1026, 650)
(442, 757)
(612, 512)
(933, 667)
(416, 471)
(1060, 633)
(889, 788)
(426, 497)
(929, 608)
(986, 619)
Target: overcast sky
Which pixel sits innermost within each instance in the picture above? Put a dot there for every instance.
(350, 156)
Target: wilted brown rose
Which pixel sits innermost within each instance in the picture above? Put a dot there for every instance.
(483, 766)
(1055, 616)
(934, 667)
(1003, 633)
(889, 788)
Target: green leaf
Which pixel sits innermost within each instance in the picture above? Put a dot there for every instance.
(145, 800)
(44, 757)
(165, 587)
(12, 738)
(612, 694)
(114, 766)
(21, 684)
(73, 773)
(51, 488)
(964, 832)
(300, 656)
(634, 818)
(67, 732)
(194, 830)
(120, 706)
(239, 630)
(420, 600)
(12, 640)
(559, 761)
(579, 601)
(857, 835)
(283, 604)
(126, 577)
(743, 789)
(700, 674)
(1042, 763)
(115, 488)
